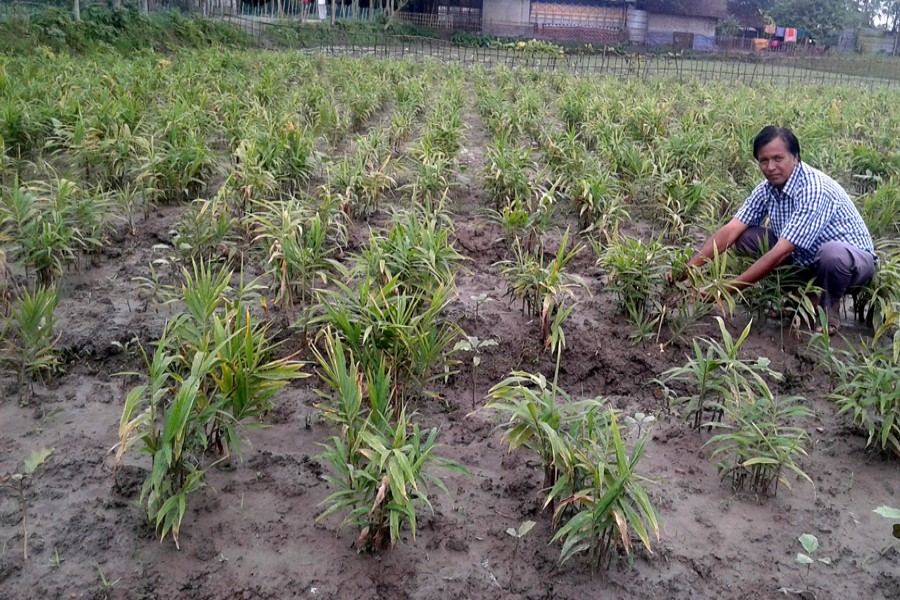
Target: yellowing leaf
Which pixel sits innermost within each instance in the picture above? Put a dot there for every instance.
(36, 459)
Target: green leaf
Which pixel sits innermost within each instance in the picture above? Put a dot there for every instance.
(36, 459)
(888, 512)
(809, 542)
(524, 528)
(804, 559)
(465, 345)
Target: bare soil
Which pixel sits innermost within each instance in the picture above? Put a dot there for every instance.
(251, 533)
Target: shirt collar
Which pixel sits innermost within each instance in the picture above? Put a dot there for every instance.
(793, 182)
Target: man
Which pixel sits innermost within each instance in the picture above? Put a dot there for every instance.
(811, 223)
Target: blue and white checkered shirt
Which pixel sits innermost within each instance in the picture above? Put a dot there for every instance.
(811, 210)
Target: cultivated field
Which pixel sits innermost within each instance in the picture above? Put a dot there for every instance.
(285, 325)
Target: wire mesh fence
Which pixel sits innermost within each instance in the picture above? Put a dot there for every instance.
(815, 69)
(305, 32)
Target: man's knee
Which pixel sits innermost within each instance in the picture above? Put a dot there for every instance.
(834, 256)
(840, 260)
(755, 241)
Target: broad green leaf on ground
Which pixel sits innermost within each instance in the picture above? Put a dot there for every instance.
(888, 513)
(809, 542)
(36, 459)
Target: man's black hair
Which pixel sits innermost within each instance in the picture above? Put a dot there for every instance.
(770, 133)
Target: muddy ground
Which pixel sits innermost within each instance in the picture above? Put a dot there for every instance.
(252, 532)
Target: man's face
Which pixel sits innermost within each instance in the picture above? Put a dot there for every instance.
(776, 162)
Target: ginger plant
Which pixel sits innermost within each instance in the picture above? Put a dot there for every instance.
(383, 466)
(542, 288)
(213, 371)
(475, 346)
(31, 343)
(517, 533)
(760, 445)
(868, 391)
(635, 271)
(479, 299)
(539, 412)
(20, 482)
(607, 501)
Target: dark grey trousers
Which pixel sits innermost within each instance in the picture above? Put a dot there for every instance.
(839, 266)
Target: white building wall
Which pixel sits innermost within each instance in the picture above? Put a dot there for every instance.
(876, 41)
(506, 11)
(670, 23)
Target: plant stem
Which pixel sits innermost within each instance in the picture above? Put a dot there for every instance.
(474, 380)
(556, 371)
(24, 518)
(512, 570)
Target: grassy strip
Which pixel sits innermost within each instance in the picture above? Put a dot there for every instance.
(124, 30)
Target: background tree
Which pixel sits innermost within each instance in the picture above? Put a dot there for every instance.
(890, 12)
(818, 18)
(869, 11)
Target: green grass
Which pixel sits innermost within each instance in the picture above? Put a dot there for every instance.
(101, 28)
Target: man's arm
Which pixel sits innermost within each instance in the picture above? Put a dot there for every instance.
(720, 241)
(765, 265)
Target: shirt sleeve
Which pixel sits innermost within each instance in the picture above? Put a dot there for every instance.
(753, 211)
(815, 210)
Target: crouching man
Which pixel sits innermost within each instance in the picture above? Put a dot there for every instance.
(811, 223)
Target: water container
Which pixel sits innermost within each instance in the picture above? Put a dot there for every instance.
(636, 26)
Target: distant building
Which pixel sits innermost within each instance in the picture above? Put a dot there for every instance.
(867, 40)
(682, 23)
(678, 23)
(572, 20)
